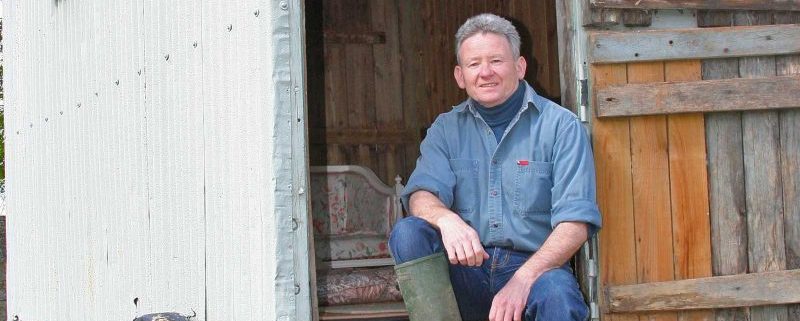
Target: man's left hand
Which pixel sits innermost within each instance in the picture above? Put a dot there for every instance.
(509, 303)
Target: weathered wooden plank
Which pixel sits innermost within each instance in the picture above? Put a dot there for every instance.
(566, 53)
(335, 87)
(755, 289)
(651, 190)
(360, 83)
(790, 166)
(689, 188)
(725, 173)
(412, 85)
(365, 38)
(611, 141)
(361, 136)
(761, 147)
(694, 43)
(700, 4)
(637, 18)
(388, 94)
(699, 96)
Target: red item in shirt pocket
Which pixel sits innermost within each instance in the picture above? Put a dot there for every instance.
(522, 162)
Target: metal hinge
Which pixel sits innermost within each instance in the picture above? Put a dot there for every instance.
(583, 109)
(590, 251)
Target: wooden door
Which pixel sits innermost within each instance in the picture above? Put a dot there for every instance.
(698, 176)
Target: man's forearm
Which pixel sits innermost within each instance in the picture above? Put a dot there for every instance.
(559, 247)
(428, 207)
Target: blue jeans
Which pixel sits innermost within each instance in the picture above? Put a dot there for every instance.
(554, 296)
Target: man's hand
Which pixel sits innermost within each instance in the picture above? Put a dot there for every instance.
(461, 242)
(509, 303)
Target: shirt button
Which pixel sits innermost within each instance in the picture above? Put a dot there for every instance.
(494, 193)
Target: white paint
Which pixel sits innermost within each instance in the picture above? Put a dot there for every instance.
(148, 168)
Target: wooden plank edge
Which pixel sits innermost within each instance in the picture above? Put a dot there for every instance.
(692, 43)
(743, 290)
(699, 4)
(682, 97)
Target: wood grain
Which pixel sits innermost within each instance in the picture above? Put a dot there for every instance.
(688, 178)
(611, 141)
(651, 195)
(761, 147)
(694, 43)
(700, 4)
(725, 173)
(699, 96)
(790, 166)
(755, 289)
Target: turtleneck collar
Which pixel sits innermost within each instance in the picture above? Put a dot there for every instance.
(498, 117)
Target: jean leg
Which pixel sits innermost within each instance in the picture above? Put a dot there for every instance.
(413, 238)
(556, 296)
(471, 286)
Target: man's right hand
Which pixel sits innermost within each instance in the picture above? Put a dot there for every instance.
(460, 240)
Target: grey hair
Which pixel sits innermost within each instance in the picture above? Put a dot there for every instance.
(487, 22)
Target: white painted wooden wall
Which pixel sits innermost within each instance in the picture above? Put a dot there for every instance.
(150, 159)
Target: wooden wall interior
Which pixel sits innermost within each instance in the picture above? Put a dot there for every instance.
(379, 72)
(691, 195)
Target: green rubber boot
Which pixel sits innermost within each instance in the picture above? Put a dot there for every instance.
(427, 292)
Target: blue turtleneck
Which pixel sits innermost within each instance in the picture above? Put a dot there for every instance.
(498, 117)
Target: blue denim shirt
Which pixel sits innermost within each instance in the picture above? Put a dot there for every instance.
(513, 193)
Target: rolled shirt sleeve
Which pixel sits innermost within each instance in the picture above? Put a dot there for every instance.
(574, 186)
(432, 173)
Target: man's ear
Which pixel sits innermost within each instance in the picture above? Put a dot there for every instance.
(521, 65)
(459, 75)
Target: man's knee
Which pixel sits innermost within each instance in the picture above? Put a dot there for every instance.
(556, 296)
(411, 238)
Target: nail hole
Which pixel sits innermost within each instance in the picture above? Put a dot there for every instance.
(726, 50)
(194, 44)
(166, 57)
(769, 37)
(636, 54)
(230, 27)
(256, 13)
(136, 301)
(671, 42)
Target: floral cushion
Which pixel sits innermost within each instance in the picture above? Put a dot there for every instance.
(354, 286)
(351, 218)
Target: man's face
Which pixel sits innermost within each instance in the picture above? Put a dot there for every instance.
(488, 71)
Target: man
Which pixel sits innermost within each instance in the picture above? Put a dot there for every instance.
(505, 187)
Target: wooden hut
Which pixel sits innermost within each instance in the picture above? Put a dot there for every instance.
(158, 154)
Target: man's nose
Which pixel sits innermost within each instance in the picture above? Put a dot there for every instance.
(485, 71)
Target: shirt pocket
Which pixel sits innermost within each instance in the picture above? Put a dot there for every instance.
(465, 193)
(534, 183)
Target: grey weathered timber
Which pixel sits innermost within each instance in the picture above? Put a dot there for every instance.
(602, 18)
(790, 163)
(694, 43)
(725, 173)
(763, 186)
(637, 18)
(700, 4)
(699, 96)
(756, 289)
(567, 56)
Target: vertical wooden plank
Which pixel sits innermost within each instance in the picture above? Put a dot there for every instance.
(726, 173)
(410, 19)
(388, 93)
(360, 85)
(790, 164)
(651, 190)
(761, 141)
(611, 140)
(689, 188)
(335, 87)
